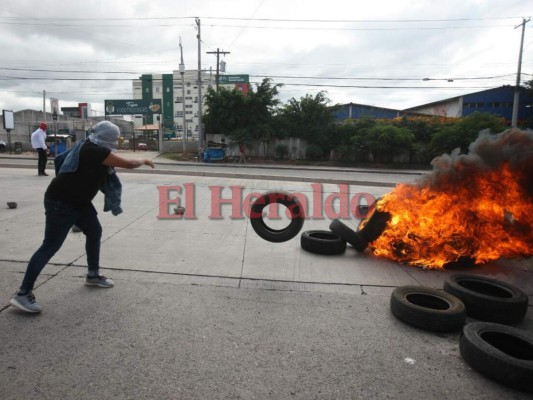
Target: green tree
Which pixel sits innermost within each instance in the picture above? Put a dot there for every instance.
(351, 136)
(463, 132)
(242, 117)
(226, 112)
(311, 119)
(423, 128)
(385, 141)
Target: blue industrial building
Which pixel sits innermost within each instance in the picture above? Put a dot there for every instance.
(498, 101)
(355, 111)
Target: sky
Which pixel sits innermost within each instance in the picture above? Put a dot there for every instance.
(386, 53)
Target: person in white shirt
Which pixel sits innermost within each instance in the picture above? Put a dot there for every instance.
(38, 143)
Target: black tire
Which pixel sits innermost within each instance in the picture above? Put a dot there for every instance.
(375, 225)
(277, 235)
(488, 299)
(322, 242)
(2, 148)
(349, 235)
(500, 352)
(428, 308)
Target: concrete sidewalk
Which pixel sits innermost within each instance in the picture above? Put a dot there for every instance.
(205, 309)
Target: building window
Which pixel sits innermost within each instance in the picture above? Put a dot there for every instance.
(188, 105)
(179, 99)
(188, 92)
(157, 89)
(188, 84)
(168, 89)
(178, 114)
(196, 99)
(475, 105)
(147, 90)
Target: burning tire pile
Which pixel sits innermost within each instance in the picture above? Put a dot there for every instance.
(491, 347)
(471, 209)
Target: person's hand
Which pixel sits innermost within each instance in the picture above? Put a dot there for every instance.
(149, 162)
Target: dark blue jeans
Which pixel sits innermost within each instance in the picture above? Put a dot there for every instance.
(59, 219)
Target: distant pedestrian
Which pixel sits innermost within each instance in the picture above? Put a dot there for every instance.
(80, 173)
(242, 154)
(38, 143)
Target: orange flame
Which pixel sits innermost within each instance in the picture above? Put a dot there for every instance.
(483, 216)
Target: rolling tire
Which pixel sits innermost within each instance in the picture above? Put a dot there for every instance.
(349, 235)
(322, 242)
(428, 308)
(488, 299)
(500, 352)
(277, 235)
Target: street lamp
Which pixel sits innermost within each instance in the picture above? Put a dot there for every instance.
(182, 73)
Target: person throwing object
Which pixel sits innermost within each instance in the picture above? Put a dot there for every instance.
(80, 173)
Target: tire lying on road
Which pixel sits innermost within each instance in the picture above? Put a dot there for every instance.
(428, 308)
(500, 352)
(277, 235)
(322, 242)
(488, 299)
(349, 235)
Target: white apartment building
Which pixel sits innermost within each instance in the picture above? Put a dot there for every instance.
(180, 103)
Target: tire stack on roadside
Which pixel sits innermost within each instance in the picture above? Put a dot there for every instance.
(489, 345)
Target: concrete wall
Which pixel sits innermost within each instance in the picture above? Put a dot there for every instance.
(296, 147)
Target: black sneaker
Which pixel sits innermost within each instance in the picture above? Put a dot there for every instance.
(99, 280)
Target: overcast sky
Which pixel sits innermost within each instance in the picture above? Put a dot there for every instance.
(370, 52)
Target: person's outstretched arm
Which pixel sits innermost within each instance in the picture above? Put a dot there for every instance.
(114, 160)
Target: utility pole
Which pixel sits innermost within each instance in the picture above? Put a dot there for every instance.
(218, 53)
(44, 105)
(182, 73)
(201, 139)
(517, 88)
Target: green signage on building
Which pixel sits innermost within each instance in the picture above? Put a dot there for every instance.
(130, 107)
(229, 79)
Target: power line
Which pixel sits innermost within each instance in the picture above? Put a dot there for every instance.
(383, 87)
(260, 19)
(257, 75)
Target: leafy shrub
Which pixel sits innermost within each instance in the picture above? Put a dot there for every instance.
(314, 152)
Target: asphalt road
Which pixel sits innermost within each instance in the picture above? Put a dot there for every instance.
(205, 309)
